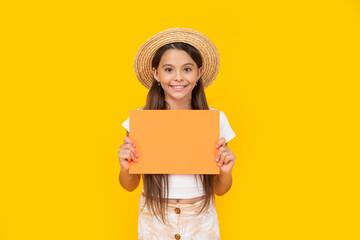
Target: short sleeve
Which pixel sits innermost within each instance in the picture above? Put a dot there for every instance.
(225, 128)
(126, 124)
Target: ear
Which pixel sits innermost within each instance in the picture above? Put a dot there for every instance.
(155, 74)
(200, 72)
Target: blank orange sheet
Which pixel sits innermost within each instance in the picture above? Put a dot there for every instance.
(175, 141)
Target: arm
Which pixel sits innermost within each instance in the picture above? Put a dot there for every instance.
(128, 181)
(222, 183)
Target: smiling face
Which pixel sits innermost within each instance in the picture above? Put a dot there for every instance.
(177, 73)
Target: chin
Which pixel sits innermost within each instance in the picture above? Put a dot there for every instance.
(179, 96)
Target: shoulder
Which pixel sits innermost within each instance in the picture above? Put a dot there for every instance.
(142, 108)
(222, 114)
(126, 122)
(225, 128)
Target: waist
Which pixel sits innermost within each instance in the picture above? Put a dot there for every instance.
(183, 201)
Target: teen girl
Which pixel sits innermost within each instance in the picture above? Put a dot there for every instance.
(176, 65)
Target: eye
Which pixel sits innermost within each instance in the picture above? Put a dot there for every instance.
(166, 69)
(189, 69)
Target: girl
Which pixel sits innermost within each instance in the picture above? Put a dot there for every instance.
(183, 63)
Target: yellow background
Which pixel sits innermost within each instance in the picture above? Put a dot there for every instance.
(288, 83)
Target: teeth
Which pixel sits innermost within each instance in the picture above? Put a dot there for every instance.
(178, 87)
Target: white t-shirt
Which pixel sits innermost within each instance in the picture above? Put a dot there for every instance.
(185, 186)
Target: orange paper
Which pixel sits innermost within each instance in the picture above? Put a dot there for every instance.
(175, 141)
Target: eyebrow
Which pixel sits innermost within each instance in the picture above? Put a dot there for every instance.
(173, 65)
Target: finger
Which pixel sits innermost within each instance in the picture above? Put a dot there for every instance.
(131, 156)
(128, 140)
(221, 142)
(228, 158)
(223, 157)
(221, 150)
(129, 146)
(126, 154)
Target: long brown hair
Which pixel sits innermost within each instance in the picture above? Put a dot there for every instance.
(156, 186)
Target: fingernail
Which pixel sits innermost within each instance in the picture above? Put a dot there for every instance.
(137, 155)
(216, 159)
(134, 145)
(219, 164)
(217, 146)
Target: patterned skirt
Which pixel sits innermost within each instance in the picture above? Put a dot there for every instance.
(184, 223)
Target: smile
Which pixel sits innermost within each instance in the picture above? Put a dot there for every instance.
(178, 88)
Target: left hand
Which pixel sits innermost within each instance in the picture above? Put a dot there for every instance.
(225, 157)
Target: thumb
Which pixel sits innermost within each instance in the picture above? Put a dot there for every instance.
(221, 142)
(128, 140)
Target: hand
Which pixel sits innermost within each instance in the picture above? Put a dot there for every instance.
(127, 153)
(225, 157)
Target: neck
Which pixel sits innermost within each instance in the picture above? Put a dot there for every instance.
(178, 105)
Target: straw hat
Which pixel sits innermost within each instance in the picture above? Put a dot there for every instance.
(208, 51)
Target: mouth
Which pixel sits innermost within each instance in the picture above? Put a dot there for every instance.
(178, 88)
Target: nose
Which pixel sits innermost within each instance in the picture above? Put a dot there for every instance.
(178, 76)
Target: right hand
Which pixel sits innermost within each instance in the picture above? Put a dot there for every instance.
(127, 153)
